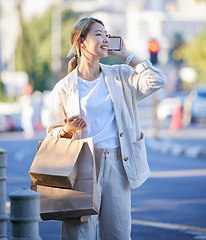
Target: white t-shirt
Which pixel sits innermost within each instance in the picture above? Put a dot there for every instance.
(97, 109)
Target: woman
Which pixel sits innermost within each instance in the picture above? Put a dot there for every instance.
(100, 101)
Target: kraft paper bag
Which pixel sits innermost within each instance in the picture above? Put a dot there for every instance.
(81, 200)
(55, 163)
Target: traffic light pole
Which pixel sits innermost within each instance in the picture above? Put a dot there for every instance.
(154, 114)
(153, 48)
(153, 58)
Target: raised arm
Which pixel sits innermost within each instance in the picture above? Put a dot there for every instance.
(142, 75)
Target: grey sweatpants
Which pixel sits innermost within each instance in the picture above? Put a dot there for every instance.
(114, 219)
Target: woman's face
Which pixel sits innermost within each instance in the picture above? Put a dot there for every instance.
(96, 42)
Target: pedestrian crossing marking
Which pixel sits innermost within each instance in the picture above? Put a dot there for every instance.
(167, 225)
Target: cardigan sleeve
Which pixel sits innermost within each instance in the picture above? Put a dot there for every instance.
(146, 79)
(57, 113)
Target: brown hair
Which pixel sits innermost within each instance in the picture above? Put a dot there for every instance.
(80, 29)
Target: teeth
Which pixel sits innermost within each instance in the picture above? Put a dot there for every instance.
(104, 47)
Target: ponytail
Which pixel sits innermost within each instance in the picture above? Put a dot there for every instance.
(73, 63)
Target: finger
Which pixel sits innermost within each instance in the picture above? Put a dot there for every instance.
(77, 123)
(72, 118)
(122, 42)
(83, 125)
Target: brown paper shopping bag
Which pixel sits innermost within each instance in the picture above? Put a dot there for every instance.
(81, 200)
(55, 163)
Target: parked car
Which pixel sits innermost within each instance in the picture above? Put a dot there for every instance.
(14, 122)
(167, 106)
(3, 123)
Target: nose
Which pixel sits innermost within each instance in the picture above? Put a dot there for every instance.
(106, 40)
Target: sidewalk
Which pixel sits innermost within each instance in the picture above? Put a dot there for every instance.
(18, 135)
(188, 142)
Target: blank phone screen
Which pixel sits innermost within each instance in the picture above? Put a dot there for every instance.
(115, 43)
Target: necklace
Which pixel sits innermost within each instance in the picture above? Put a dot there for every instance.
(89, 78)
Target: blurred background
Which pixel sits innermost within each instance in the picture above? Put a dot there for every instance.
(35, 40)
(34, 43)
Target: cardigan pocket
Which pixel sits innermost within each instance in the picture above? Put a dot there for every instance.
(140, 156)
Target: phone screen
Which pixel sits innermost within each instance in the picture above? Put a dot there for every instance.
(114, 43)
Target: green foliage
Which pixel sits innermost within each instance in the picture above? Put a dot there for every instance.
(33, 52)
(3, 97)
(194, 55)
(110, 60)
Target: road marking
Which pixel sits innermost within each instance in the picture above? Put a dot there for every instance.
(17, 179)
(182, 173)
(167, 225)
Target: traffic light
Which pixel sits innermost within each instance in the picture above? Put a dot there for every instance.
(153, 48)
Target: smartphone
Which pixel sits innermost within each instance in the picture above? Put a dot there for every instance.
(115, 43)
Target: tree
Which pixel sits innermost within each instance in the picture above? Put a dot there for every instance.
(3, 97)
(194, 55)
(68, 19)
(33, 51)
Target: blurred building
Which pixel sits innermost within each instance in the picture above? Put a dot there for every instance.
(10, 26)
(137, 21)
(167, 21)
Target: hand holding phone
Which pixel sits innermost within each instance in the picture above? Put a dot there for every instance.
(118, 50)
(114, 43)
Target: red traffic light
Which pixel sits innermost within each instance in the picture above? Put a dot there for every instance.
(153, 46)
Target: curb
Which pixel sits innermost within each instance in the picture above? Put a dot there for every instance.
(171, 147)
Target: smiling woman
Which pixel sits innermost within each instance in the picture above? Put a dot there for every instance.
(79, 32)
(100, 101)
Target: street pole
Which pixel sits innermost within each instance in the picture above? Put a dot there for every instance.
(155, 118)
(153, 47)
(56, 41)
(3, 215)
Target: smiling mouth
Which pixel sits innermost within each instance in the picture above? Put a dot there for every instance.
(104, 47)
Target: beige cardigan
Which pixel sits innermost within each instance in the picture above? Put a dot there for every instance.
(127, 86)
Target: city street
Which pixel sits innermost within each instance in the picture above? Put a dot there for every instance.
(149, 47)
(171, 205)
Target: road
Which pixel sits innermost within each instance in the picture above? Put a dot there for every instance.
(174, 196)
(170, 205)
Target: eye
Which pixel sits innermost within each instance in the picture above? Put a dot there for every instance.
(98, 34)
(107, 35)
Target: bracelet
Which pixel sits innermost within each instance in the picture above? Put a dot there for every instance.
(129, 58)
(64, 131)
